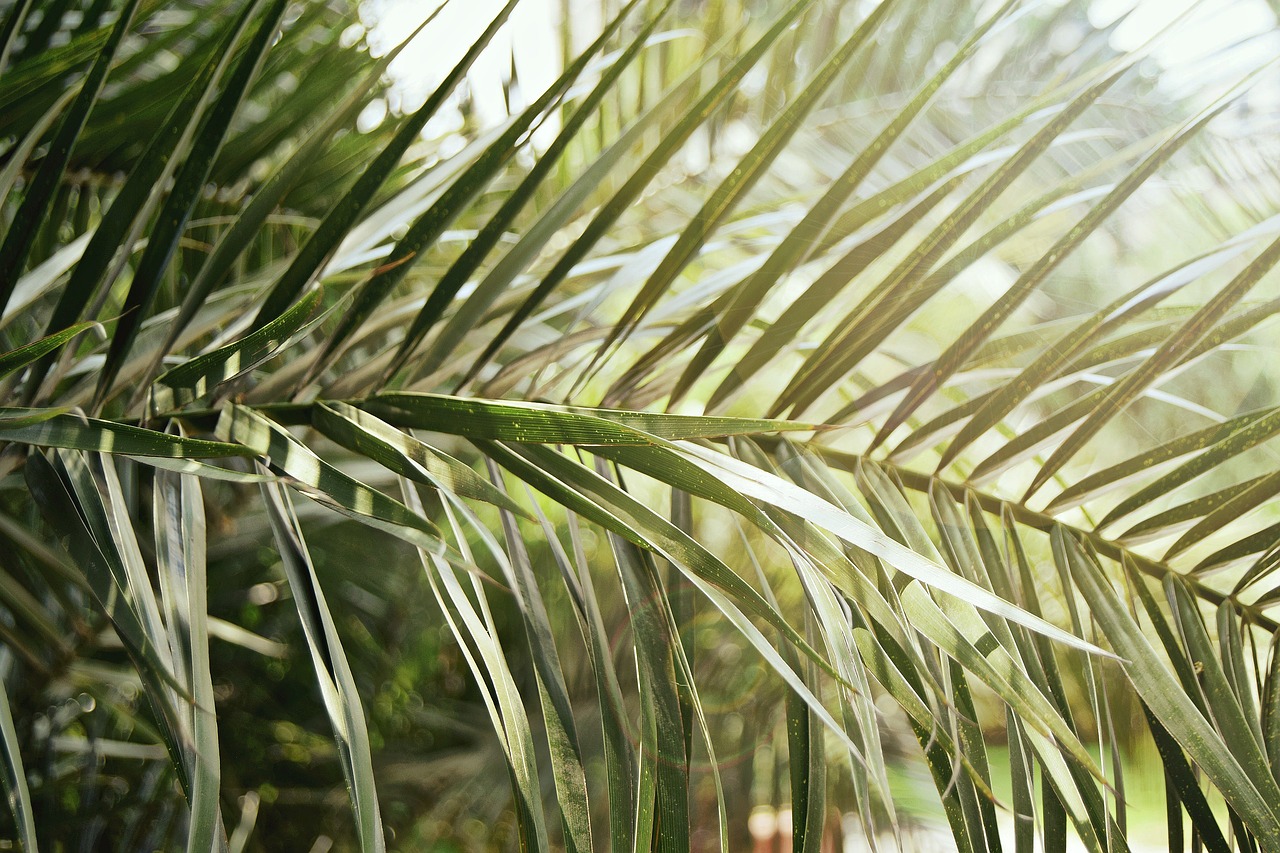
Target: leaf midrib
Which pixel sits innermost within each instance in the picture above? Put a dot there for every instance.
(917, 481)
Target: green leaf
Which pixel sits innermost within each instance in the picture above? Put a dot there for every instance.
(17, 244)
(1239, 730)
(497, 224)
(506, 268)
(407, 456)
(619, 756)
(808, 775)
(1266, 540)
(121, 225)
(29, 72)
(547, 424)
(739, 181)
(1170, 705)
(599, 500)
(19, 358)
(1184, 515)
(333, 672)
(756, 484)
(503, 701)
(1037, 436)
(195, 378)
(20, 155)
(15, 776)
(647, 171)
(239, 237)
(1258, 491)
(836, 356)
(557, 710)
(654, 642)
(323, 482)
(1022, 783)
(1061, 352)
(1181, 775)
(13, 22)
(822, 291)
(991, 319)
(56, 428)
(998, 671)
(746, 298)
(108, 556)
(934, 740)
(324, 241)
(188, 187)
(1215, 437)
(1235, 670)
(1271, 710)
(180, 555)
(1119, 395)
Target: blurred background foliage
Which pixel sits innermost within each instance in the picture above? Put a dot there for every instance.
(319, 110)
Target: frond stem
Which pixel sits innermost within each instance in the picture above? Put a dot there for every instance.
(920, 482)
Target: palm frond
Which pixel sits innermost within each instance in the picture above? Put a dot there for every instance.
(961, 329)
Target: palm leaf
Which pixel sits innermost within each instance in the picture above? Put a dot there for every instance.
(976, 261)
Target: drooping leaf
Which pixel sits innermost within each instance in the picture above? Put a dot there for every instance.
(1170, 705)
(17, 793)
(333, 672)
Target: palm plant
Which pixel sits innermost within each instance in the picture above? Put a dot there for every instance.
(789, 394)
